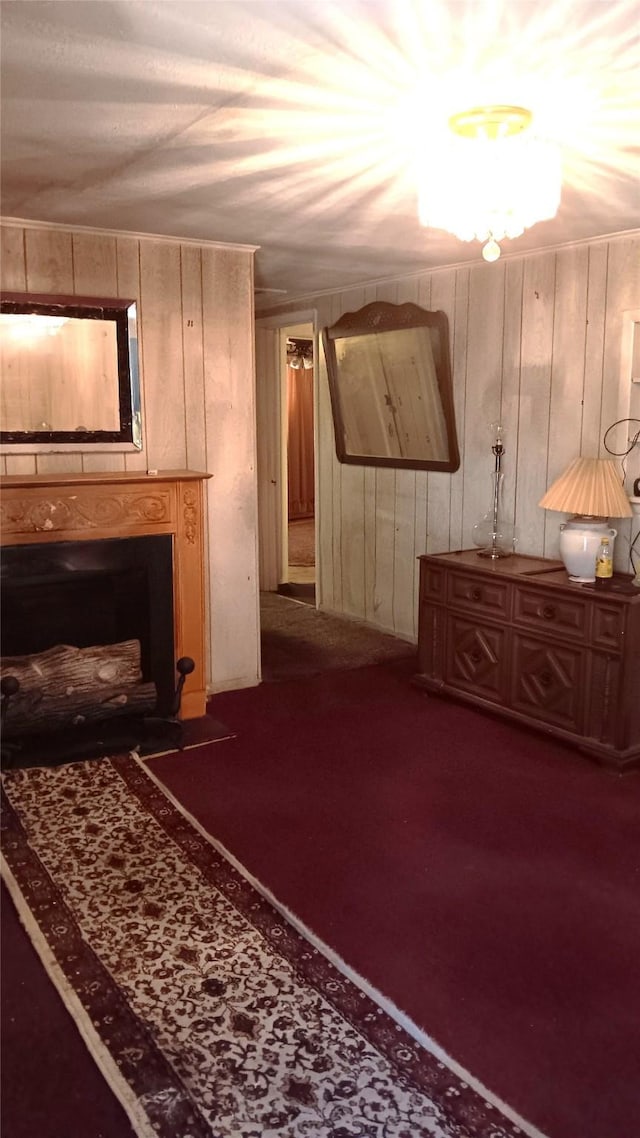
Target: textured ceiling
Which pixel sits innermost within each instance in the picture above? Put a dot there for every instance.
(296, 126)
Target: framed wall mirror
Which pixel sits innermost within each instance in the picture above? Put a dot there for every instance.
(69, 373)
(391, 390)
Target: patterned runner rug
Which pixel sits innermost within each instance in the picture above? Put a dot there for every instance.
(207, 1010)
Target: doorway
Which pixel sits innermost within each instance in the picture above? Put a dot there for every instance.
(299, 459)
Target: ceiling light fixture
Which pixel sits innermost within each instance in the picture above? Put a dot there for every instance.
(497, 178)
(300, 354)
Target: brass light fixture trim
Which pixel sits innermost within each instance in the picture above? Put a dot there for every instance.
(493, 122)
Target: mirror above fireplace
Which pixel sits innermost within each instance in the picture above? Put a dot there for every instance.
(70, 375)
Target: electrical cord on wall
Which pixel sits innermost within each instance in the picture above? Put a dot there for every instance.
(623, 454)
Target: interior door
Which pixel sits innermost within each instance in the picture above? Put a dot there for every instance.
(269, 449)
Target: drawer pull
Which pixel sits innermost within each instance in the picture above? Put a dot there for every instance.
(545, 679)
(476, 656)
(476, 594)
(549, 612)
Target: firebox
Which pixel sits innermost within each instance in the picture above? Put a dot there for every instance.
(92, 593)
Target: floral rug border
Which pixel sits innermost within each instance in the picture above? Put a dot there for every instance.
(154, 1082)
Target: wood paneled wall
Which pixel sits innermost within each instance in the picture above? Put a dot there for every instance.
(536, 342)
(195, 326)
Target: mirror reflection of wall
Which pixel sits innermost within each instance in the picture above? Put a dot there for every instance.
(391, 388)
(69, 373)
(389, 394)
(58, 374)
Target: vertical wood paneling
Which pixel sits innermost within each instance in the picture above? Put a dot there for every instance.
(527, 348)
(443, 299)
(535, 398)
(56, 463)
(459, 333)
(597, 271)
(49, 261)
(421, 505)
(384, 583)
(404, 577)
(404, 568)
(385, 531)
(623, 288)
(94, 265)
(484, 381)
(352, 540)
(162, 355)
(567, 375)
(231, 448)
(20, 464)
(369, 520)
(13, 275)
(192, 356)
(623, 291)
(103, 460)
(510, 384)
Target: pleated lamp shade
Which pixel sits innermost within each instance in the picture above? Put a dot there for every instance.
(590, 486)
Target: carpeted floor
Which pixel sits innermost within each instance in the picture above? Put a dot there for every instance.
(299, 640)
(484, 877)
(302, 542)
(481, 876)
(207, 1011)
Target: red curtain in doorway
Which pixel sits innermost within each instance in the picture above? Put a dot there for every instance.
(300, 441)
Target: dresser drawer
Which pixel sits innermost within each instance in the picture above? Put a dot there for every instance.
(476, 658)
(566, 616)
(547, 681)
(476, 592)
(607, 629)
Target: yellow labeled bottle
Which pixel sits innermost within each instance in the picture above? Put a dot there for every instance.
(604, 563)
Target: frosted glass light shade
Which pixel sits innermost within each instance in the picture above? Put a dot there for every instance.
(490, 187)
(590, 486)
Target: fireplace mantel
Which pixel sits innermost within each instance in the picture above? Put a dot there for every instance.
(88, 507)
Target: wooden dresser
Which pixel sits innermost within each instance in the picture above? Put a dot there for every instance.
(517, 637)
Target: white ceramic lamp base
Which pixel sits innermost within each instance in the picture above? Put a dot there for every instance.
(579, 545)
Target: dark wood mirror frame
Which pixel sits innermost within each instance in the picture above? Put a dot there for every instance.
(128, 434)
(398, 383)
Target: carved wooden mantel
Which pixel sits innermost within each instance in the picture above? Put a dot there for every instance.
(87, 507)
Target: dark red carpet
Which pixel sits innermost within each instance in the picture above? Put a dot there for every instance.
(485, 879)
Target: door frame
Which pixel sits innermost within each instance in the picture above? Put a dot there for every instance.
(282, 324)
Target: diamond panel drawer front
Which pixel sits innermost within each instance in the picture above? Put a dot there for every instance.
(557, 615)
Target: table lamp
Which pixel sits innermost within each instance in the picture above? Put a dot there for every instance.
(591, 489)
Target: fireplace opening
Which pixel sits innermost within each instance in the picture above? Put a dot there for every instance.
(92, 593)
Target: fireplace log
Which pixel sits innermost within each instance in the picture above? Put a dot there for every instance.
(112, 702)
(67, 685)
